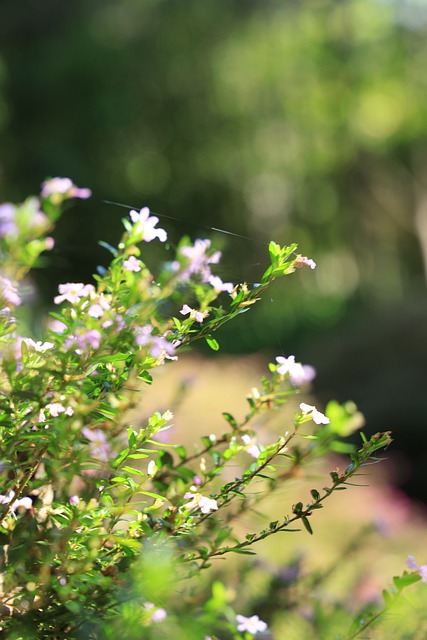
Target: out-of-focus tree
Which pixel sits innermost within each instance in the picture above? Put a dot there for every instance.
(286, 120)
(273, 120)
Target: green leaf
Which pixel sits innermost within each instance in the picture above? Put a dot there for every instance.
(307, 524)
(181, 451)
(213, 344)
(122, 456)
(137, 472)
(230, 419)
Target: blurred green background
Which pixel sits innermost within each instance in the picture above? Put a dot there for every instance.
(295, 121)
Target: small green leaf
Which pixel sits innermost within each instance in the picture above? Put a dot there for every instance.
(214, 345)
(230, 419)
(307, 524)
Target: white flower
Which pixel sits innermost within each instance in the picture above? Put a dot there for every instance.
(251, 446)
(145, 225)
(299, 374)
(25, 503)
(311, 412)
(252, 624)
(55, 408)
(152, 468)
(199, 316)
(206, 505)
(158, 614)
(38, 346)
(73, 291)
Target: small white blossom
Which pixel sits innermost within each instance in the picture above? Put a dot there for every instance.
(251, 446)
(55, 408)
(311, 412)
(206, 505)
(299, 374)
(199, 316)
(38, 346)
(251, 625)
(145, 225)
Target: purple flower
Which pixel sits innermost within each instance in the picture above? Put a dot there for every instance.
(8, 226)
(9, 292)
(73, 291)
(98, 305)
(158, 614)
(301, 260)
(422, 571)
(206, 505)
(132, 264)
(61, 189)
(84, 340)
(199, 260)
(157, 344)
(74, 501)
(199, 316)
(98, 444)
(252, 624)
(219, 285)
(145, 225)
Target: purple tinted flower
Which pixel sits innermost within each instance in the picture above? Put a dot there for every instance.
(199, 316)
(8, 226)
(252, 624)
(56, 326)
(132, 264)
(301, 260)
(219, 285)
(156, 344)
(74, 501)
(145, 225)
(159, 344)
(92, 338)
(423, 572)
(98, 444)
(298, 374)
(64, 188)
(251, 445)
(9, 292)
(98, 306)
(84, 340)
(158, 614)
(199, 260)
(73, 291)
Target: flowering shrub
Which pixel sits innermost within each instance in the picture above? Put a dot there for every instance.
(104, 528)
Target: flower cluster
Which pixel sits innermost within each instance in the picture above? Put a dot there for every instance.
(102, 515)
